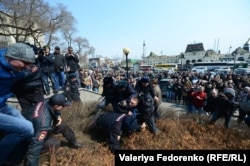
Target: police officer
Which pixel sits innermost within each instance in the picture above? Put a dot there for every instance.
(42, 115)
(108, 94)
(123, 91)
(144, 86)
(115, 124)
(71, 88)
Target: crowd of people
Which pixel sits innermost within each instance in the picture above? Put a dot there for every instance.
(217, 95)
(135, 100)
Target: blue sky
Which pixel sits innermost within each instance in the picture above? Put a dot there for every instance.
(166, 26)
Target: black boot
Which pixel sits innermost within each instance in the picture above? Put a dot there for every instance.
(76, 145)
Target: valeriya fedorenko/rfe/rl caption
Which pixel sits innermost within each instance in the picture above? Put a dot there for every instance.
(187, 157)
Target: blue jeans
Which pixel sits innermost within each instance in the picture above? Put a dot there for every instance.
(88, 87)
(217, 115)
(45, 78)
(18, 130)
(60, 78)
(198, 110)
(168, 94)
(96, 90)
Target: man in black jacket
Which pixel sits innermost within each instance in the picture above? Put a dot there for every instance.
(123, 91)
(60, 65)
(144, 86)
(225, 106)
(108, 94)
(71, 89)
(47, 62)
(72, 60)
(29, 90)
(42, 115)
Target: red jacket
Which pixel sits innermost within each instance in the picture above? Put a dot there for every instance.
(198, 99)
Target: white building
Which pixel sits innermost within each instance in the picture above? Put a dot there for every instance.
(197, 53)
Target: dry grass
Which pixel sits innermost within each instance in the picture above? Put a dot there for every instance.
(179, 132)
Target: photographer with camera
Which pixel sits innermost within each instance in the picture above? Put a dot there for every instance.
(47, 62)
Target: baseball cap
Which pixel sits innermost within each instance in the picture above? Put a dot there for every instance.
(21, 51)
(59, 99)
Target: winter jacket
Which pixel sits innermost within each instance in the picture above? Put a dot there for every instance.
(127, 93)
(109, 92)
(198, 103)
(7, 78)
(47, 63)
(28, 83)
(157, 91)
(144, 90)
(42, 116)
(117, 122)
(71, 90)
(224, 105)
(72, 62)
(245, 103)
(60, 62)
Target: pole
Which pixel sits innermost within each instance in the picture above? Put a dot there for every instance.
(127, 65)
(143, 56)
(126, 52)
(234, 60)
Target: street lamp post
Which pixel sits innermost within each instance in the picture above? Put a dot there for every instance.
(126, 52)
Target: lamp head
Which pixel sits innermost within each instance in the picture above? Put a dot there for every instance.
(126, 51)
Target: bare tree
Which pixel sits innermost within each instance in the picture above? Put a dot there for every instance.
(83, 46)
(81, 43)
(68, 35)
(22, 19)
